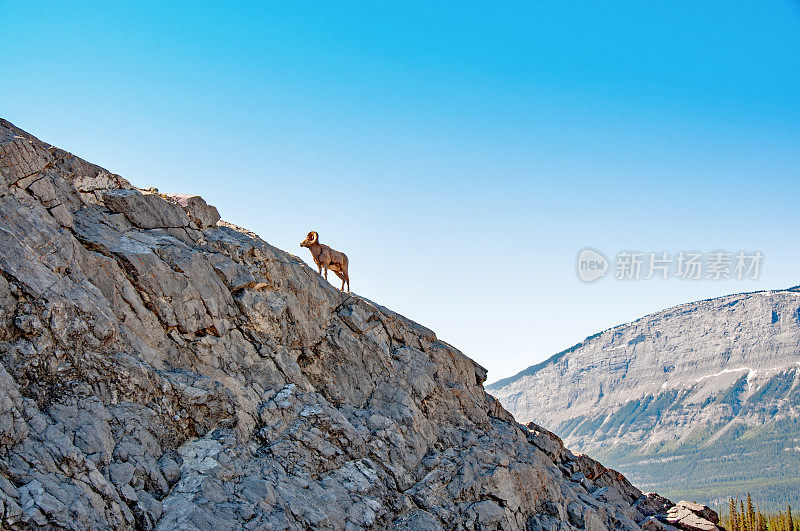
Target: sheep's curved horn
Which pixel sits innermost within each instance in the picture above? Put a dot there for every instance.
(314, 236)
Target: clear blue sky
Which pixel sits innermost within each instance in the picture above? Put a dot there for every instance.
(461, 155)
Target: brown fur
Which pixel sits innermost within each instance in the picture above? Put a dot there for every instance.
(327, 258)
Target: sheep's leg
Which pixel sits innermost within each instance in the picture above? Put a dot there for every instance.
(341, 277)
(320, 269)
(326, 273)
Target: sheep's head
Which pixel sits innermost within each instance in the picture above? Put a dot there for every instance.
(310, 240)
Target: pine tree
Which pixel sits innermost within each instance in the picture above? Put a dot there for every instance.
(742, 517)
(762, 522)
(789, 522)
(730, 518)
(751, 515)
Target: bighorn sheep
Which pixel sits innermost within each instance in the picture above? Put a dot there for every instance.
(326, 257)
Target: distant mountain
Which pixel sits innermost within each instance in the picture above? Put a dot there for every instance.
(700, 401)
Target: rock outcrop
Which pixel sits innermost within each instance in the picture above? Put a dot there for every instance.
(692, 516)
(700, 401)
(161, 368)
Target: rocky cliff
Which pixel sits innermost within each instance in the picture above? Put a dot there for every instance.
(700, 401)
(164, 369)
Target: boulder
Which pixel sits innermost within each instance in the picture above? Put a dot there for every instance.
(145, 210)
(692, 517)
(201, 213)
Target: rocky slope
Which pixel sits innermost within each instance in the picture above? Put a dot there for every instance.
(164, 369)
(701, 400)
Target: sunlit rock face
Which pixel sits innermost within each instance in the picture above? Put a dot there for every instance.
(700, 401)
(161, 368)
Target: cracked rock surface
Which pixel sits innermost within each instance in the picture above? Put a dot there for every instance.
(160, 368)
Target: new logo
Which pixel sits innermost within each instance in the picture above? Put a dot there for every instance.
(592, 265)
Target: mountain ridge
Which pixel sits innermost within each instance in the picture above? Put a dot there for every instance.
(555, 357)
(679, 385)
(161, 368)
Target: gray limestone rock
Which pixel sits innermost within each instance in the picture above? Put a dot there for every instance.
(145, 210)
(201, 213)
(692, 517)
(161, 369)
